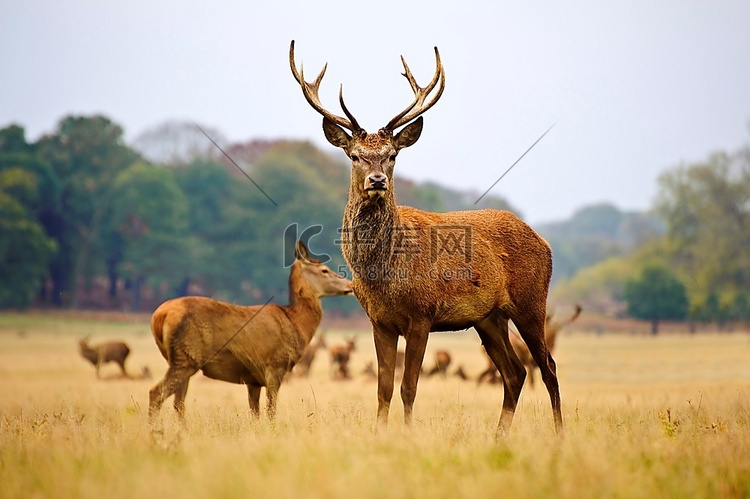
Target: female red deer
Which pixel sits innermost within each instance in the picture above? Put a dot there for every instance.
(251, 345)
(415, 272)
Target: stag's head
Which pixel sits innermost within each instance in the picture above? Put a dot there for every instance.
(373, 155)
(321, 280)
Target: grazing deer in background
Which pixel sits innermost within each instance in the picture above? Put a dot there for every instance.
(251, 345)
(340, 356)
(369, 371)
(460, 373)
(113, 351)
(302, 368)
(415, 272)
(442, 361)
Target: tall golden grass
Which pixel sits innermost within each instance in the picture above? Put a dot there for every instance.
(645, 417)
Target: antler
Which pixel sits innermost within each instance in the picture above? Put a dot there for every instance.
(418, 107)
(310, 91)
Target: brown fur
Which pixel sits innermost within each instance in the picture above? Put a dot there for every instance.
(98, 355)
(251, 345)
(411, 281)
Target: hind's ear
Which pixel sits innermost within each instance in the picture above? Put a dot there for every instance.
(300, 252)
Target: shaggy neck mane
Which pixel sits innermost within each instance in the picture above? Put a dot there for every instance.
(369, 226)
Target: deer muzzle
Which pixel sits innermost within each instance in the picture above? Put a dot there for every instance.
(376, 184)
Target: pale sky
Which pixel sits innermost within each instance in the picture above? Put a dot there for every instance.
(636, 87)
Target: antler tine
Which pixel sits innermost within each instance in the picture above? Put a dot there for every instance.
(346, 111)
(418, 107)
(310, 91)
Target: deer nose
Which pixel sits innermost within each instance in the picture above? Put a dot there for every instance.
(377, 181)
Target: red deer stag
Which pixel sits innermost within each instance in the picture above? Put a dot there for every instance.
(302, 367)
(415, 272)
(340, 355)
(442, 361)
(113, 351)
(251, 345)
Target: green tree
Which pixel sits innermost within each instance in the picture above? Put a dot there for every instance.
(27, 184)
(25, 252)
(707, 210)
(215, 226)
(86, 153)
(150, 219)
(599, 287)
(656, 294)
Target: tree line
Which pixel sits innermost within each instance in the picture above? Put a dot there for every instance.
(697, 266)
(88, 221)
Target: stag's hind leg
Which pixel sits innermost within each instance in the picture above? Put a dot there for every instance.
(494, 334)
(532, 332)
(169, 385)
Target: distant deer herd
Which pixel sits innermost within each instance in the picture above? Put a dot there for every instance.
(413, 272)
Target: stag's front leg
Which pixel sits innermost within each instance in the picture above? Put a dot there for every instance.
(416, 343)
(385, 349)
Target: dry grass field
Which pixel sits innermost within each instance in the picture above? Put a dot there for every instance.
(645, 417)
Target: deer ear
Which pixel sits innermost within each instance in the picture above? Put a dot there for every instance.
(335, 134)
(409, 134)
(300, 251)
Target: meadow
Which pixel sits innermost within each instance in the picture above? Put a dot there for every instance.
(665, 416)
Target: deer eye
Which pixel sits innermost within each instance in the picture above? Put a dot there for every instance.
(354, 157)
(326, 271)
(393, 157)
